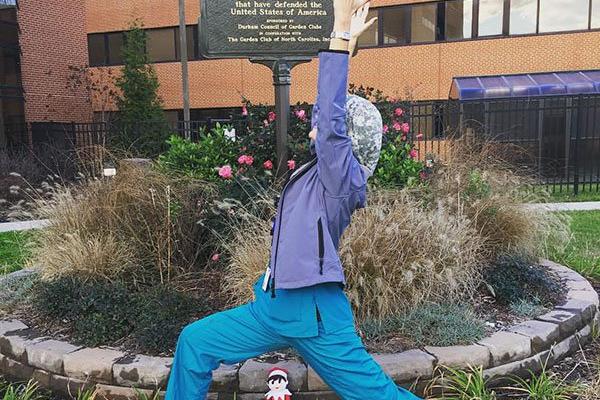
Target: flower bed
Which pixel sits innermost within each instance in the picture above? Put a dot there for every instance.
(519, 349)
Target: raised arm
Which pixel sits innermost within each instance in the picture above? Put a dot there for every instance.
(333, 145)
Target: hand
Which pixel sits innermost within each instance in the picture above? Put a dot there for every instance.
(358, 25)
(343, 11)
(343, 15)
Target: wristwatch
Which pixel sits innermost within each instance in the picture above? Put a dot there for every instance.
(341, 35)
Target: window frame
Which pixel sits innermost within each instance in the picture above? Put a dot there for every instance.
(587, 29)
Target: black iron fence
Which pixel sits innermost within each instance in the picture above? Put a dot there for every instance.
(557, 139)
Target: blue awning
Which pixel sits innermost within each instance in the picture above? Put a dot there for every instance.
(525, 85)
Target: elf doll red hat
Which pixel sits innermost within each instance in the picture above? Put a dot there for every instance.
(277, 382)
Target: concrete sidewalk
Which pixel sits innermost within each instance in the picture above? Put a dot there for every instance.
(575, 206)
(23, 225)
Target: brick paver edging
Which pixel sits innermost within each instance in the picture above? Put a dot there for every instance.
(64, 368)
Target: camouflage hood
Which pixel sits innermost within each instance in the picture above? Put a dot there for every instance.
(365, 128)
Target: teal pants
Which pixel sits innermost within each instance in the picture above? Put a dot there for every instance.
(235, 335)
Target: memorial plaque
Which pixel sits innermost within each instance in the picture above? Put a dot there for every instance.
(264, 28)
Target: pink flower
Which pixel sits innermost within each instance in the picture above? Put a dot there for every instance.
(272, 116)
(215, 257)
(398, 111)
(301, 115)
(268, 164)
(385, 128)
(414, 153)
(225, 172)
(420, 136)
(246, 159)
(397, 126)
(405, 127)
(244, 111)
(404, 138)
(291, 164)
(266, 123)
(423, 175)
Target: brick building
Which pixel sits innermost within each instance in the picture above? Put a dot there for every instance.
(418, 47)
(39, 45)
(51, 42)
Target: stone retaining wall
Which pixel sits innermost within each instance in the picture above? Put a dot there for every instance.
(64, 368)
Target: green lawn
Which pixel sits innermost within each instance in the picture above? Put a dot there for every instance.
(566, 194)
(14, 250)
(583, 252)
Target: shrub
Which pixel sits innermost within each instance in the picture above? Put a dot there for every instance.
(200, 159)
(103, 312)
(514, 279)
(140, 226)
(160, 315)
(397, 167)
(259, 137)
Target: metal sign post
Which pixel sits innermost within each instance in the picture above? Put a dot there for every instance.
(282, 80)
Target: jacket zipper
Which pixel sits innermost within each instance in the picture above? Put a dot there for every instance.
(321, 247)
(311, 164)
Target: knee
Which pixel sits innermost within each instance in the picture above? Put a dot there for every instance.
(194, 333)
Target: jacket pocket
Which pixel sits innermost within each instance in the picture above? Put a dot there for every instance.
(321, 244)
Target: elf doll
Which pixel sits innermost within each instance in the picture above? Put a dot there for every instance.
(278, 381)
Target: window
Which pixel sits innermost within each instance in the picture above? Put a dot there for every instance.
(191, 42)
(595, 14)
(459, 19)
(491, 13)
(115, 46)
(370, 36)
(161, 45)
(8, 14)
(9, 34)
(10, 70)
(523, 16)
(423, 23)
(96, 49)
(563, 15)
(395, 25)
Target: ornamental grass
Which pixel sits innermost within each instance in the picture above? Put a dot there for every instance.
(139, 226)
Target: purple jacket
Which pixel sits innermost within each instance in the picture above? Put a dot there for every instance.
(316, 204)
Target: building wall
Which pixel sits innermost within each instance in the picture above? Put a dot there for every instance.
(424, 71)
(52, 38)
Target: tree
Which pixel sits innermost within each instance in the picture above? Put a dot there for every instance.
(143, 127)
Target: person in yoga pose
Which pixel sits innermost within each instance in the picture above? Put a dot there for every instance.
(300, 300)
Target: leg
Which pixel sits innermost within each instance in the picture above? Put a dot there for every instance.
(342, 361)
(230, 336)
